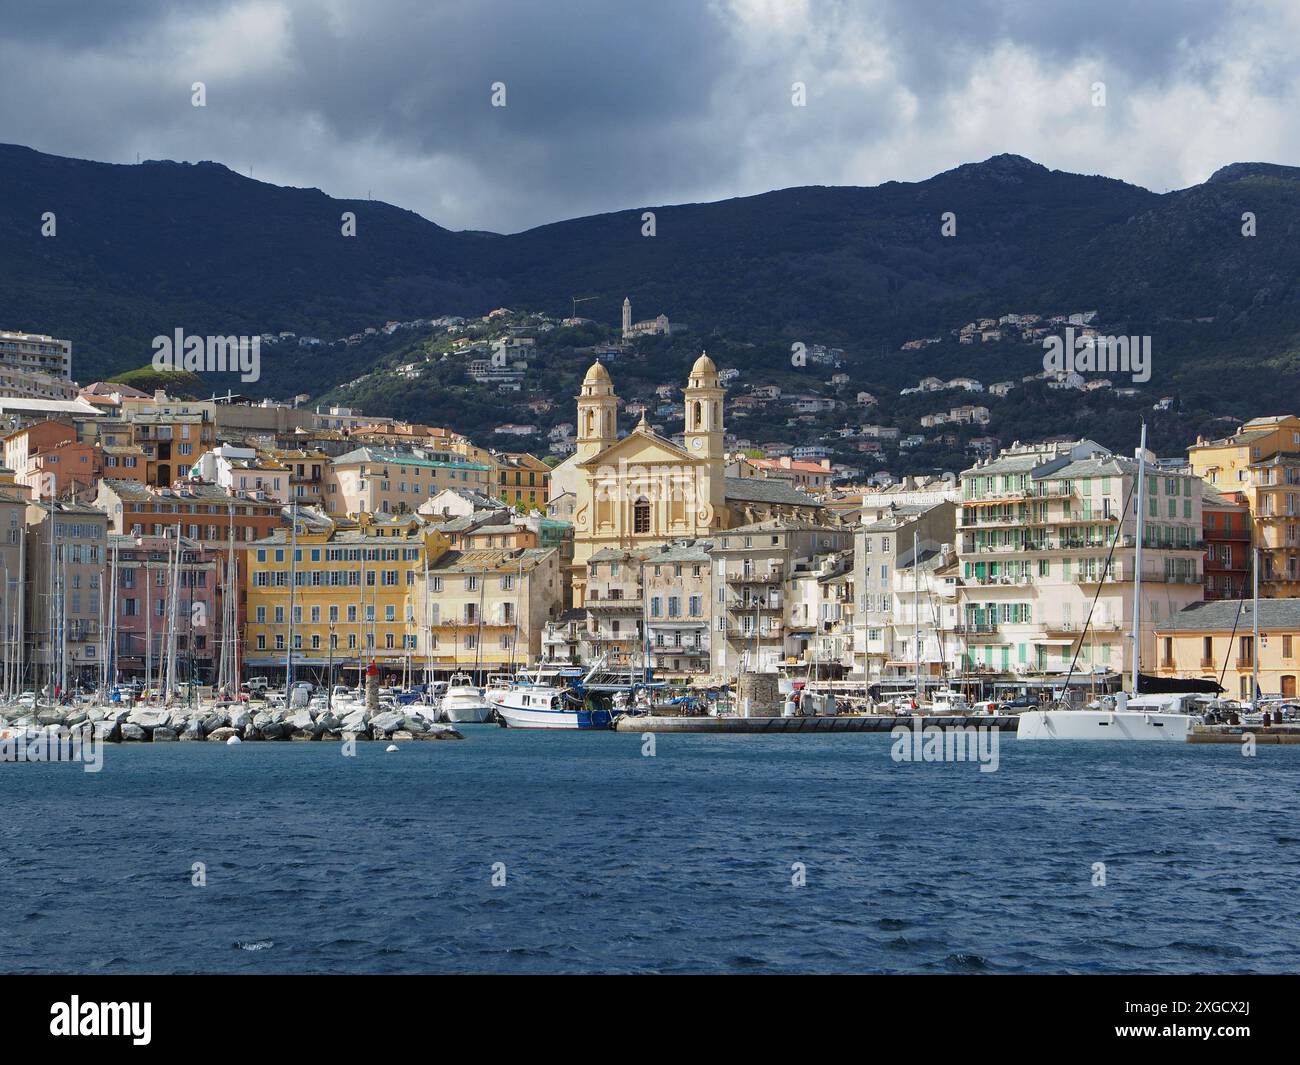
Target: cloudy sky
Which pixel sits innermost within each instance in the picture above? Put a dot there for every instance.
(613, 104)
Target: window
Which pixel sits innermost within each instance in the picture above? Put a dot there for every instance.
(641, 516)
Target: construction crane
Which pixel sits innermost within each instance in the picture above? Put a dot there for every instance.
(580, 299)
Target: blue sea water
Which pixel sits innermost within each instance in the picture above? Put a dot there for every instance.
(681, 862)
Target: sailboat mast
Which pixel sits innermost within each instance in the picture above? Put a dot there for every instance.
(1254, 641)
(148, 626)
(293, 577)
(22, 606)
(916, 612)
(478, 639)
(53, 627)
(1137, 557)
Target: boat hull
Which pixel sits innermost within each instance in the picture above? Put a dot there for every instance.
(466, 712)
(464, 706)
(1130, 725)
(524, 717)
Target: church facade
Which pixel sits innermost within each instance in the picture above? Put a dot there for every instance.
(640, 491)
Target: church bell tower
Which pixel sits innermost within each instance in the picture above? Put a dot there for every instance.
(597, 412)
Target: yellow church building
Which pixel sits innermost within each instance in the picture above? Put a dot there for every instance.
(642, 490)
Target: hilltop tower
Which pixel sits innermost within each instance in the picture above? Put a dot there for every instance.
(627, 317)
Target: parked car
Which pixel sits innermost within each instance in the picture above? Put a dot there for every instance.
(1018, 705)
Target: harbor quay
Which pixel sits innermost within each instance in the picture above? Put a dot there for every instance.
(812, 724)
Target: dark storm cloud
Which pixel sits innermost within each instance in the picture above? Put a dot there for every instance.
(614, 105)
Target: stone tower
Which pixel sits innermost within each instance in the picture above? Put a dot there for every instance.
(627, 317)
(704, 429)
(597, 410)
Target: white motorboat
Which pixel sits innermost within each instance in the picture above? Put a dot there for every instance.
(463, 702)
(945, 701)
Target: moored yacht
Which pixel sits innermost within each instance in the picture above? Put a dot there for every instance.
(463, 702)
(1147, 717)
(1129, 717)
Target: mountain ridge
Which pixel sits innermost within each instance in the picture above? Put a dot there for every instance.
(142, 249)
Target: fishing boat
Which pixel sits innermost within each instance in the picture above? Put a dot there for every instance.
(497, 685)
(554, 708)
(463, 702)
(1127, 717)
(532, 705)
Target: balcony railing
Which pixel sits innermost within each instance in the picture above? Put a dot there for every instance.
(613, 599)
(734, 632)
(770, 576)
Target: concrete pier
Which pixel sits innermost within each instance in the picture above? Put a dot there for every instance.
(1235, 734)
(836, 723)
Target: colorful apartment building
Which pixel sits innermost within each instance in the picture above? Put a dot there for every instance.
(375, 480)
(1227, 533)
(64, 623)
(340, 592)
(520, 479)
(488, 609)
(203, 512)
(1261, 462)
(1047, 546)
(147, 586)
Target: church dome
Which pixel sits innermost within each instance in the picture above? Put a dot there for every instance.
(597, 375)
(703, 367)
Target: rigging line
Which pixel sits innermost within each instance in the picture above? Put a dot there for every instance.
(1236, 617)
(1119, 525)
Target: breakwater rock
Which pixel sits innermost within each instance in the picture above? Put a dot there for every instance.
(218, 723)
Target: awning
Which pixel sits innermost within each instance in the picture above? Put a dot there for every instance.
(1149, 685)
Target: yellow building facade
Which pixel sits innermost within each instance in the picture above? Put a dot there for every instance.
(1216, 641)
(350, 591)
(1259, 461)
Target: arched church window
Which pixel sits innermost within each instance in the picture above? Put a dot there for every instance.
(641, 516)
(589, 422)
(695, 424)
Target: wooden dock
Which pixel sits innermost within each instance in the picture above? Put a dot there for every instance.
(835, 723)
